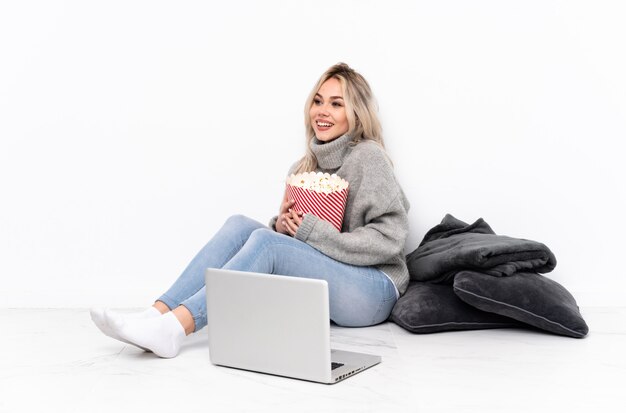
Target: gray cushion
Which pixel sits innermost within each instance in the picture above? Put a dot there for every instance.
(454, 246)
(527, 297)
(430, 308)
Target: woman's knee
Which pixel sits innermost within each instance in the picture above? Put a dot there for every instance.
(239, 220)
(264, 236)
(259, 253)
(239, 223)
(266, 243)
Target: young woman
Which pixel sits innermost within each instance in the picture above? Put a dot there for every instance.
(363, 264)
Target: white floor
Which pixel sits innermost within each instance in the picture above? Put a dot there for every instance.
(57, 361)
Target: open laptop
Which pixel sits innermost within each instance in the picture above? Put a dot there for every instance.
(275, 324)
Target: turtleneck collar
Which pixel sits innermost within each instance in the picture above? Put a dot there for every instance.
(330, 155)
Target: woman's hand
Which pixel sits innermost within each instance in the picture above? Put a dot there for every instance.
(288, 219)
(292, 221)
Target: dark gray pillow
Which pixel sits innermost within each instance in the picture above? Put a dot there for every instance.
(527, 297)
(430, 308)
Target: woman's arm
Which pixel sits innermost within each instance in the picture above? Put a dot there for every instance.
(374, 243)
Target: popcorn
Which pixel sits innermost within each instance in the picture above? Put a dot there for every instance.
(318, 182)
(320, 194)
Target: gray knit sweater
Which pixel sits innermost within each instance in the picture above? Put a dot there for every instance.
(375, 223)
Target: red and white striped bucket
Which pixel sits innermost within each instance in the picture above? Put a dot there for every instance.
(327, 206)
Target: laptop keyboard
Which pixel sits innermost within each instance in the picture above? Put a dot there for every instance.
(334, 365)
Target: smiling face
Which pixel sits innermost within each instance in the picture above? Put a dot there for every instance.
(328, 111)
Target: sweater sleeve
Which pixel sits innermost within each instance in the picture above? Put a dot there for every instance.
(384, 210)
(372, 244)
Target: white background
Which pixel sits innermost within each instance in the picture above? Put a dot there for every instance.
(130, 130)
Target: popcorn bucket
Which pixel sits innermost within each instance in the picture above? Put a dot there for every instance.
(322, 195)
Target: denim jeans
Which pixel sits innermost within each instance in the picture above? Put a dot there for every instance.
(358, 296)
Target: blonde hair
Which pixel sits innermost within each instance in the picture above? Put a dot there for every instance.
(361, 111)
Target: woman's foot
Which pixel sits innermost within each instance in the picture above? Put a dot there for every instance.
(99, 319)
(162, 335)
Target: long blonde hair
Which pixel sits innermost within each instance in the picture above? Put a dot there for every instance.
(361, 111)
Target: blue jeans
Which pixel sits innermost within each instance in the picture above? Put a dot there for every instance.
(359, 296)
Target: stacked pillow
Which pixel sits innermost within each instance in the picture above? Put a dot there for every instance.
(471, 295)
(431, 308)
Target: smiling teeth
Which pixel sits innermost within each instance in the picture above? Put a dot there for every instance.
(324, 124)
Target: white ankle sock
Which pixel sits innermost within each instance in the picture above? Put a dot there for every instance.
(162, 335)
(97, 316)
